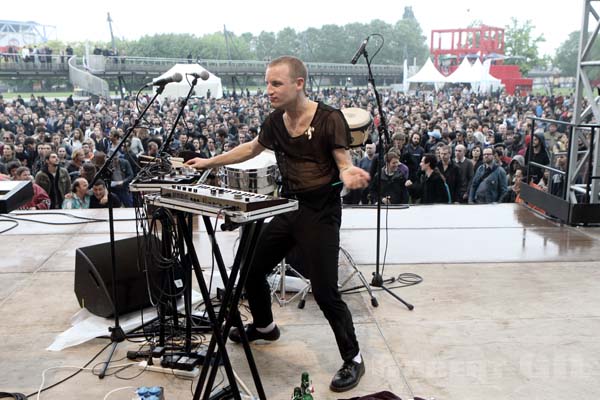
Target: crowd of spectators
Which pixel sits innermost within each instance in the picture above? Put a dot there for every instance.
(447, 147)
(34, 54)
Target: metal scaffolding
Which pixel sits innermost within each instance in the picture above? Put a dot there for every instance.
(17, 33)
(584, 151)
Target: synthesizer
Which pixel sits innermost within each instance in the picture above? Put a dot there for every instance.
(236, 205)
(178, 176)
(230, 199)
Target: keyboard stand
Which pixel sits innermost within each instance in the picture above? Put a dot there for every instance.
(228, 315)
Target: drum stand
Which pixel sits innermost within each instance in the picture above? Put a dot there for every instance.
(281, 299)
(284, 267)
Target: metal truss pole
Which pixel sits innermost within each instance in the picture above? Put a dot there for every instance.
(586, 107)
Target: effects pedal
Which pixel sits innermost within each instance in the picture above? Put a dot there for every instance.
(150, 393)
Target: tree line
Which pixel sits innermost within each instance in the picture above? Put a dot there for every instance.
(404, 39)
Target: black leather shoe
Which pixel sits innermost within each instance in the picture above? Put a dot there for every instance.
(348, 376)
(253, 334)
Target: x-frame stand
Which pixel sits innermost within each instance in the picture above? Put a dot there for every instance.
(228, 315)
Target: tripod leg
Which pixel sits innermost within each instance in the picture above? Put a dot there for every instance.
(408, 305)
(362, 278)
(117, 335)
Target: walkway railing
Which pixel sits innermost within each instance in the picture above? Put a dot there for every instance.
(86, 81)
(11, 64)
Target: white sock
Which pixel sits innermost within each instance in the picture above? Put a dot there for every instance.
(267, 328)
(358, 358)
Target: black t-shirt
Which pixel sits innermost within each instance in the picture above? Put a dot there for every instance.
(306, 162)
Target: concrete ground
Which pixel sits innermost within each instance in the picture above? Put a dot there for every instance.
(508, 308)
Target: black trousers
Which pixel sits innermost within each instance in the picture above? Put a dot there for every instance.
(317, 234)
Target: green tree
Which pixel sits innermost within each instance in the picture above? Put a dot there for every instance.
(265, 45)
(408, 37)
(521, 46)
(287, 43)
(568, 52)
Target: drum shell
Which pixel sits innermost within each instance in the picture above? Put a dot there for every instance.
(255, 180)
(358, 137)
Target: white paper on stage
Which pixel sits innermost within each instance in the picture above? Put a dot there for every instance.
(87, 326)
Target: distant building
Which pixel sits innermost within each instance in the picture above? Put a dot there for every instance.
(450, 46)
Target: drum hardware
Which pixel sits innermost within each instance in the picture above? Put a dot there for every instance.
(344, 259)
(359, 121)
(278, 279)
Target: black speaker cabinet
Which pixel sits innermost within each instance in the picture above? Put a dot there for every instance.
(94, 283)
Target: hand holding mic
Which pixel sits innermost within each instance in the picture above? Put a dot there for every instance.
(176, 77)
(204, 75)
(360, 51)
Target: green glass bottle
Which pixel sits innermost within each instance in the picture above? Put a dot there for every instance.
(297, 394)
(305, 385)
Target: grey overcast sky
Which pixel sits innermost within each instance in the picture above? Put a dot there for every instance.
(86, 20)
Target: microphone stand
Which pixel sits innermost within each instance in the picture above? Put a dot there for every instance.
(165, 146)
(383, 136)
(116, 332)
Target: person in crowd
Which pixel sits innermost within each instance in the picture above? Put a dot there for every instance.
(451, 173)
(465, 173)
(76, 162)
(79, 197)
(54, 180)
(310, 141)
(517, 162)
(40, 199)
(393, 188)
(431, 187)
(101, 197)
(412, 155)
(121, 178)
(537, 153)
(476, 157)
(8, 153)
(43, 149)
(490, 182)
(513, 194)
(63, 156)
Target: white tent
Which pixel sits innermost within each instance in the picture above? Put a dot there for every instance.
(487, 82)
(464, 73)
(428, 74)
(175, 90)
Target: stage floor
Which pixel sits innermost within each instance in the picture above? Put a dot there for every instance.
(508, 308)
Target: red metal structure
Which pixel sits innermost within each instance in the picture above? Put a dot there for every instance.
(449, 46)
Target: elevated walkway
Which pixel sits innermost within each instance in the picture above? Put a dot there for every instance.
(152, 66)
(84, 79)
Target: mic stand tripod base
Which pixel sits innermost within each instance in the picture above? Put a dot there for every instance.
(378, 282)
(116, 336)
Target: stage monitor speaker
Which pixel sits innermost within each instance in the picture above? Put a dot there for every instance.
(93, 277)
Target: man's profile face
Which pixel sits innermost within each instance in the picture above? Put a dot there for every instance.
(444, 155)
(282, 89)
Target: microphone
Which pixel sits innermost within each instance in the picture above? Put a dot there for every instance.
(176, 77)
(204, 75)
(360, 51)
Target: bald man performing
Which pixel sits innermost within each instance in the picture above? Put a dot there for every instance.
(310, 141)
